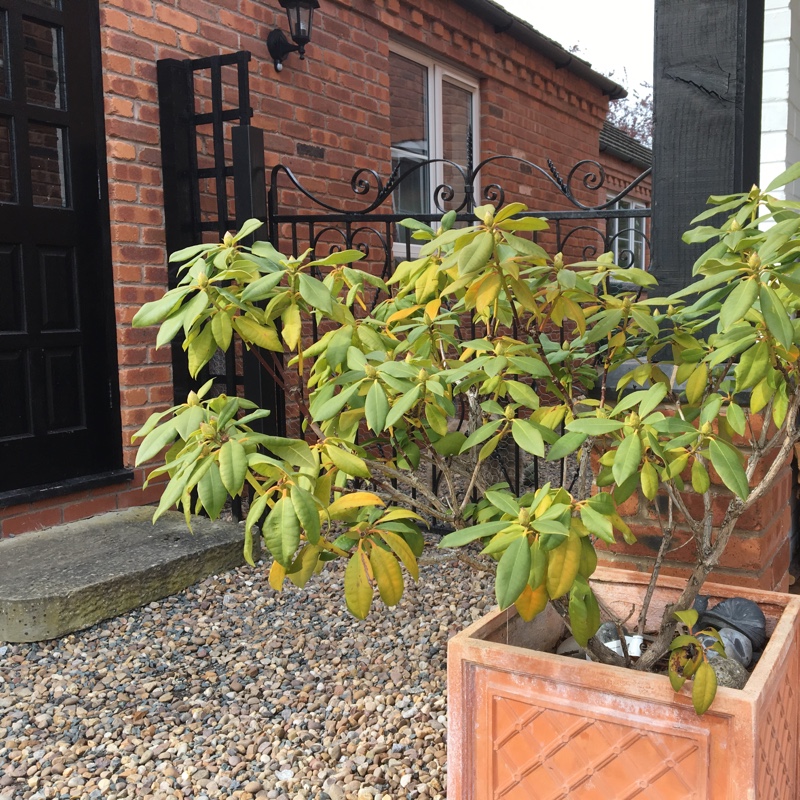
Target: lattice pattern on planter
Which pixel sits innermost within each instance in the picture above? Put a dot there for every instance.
(552, 754)
(777, 744)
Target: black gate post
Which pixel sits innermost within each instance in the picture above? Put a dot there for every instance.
(179, 169)
(250, 192)
(707, 118)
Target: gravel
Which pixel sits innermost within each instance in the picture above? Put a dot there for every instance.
(231, 690)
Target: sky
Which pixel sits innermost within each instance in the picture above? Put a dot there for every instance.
(613, 35)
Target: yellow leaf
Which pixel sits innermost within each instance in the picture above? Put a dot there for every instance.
(575, 313)
(563, 563)
(697, 383)
(347, 502)
(259, 335)
(531, 602)
(276, 575)
(292, 325)
(489, 290)
(357, 587)
(387, 575)
(432, 308)
(402, 314)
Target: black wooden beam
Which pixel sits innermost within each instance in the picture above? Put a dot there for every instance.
(250, 190)
(707, 118)
(181, 194)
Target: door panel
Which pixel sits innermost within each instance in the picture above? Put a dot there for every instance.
(59, 416)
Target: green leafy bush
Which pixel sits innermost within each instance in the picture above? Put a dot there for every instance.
(385, 388)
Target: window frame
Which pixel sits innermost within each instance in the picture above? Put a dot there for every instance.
(438, 72)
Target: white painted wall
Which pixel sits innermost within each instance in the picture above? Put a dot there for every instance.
(780, 120)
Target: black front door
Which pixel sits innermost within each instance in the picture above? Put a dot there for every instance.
(59, 416)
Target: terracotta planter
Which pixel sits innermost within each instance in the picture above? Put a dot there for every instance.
(529, 725)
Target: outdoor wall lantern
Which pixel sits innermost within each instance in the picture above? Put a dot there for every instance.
(300, 13)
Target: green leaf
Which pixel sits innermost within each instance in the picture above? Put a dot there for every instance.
(726, 461)
(348, 462)
(584, 613)
(357, 587)
(156, 441)
(212, 492)
(476, 254)
(700, 479)
(627, 459)
(512, 572)
(307, 511)
(598, 524)
(331, 407)
(403, 404)
(261, 288)
(222, 329)
(294, 451)
(467, 535)
(376, 408)
(704, 688)
(522, 393)
(504, 501)
(282, 532)
(232, 466)
(247, 228)
(753, 366)
(528, 437)
(653, 396)
(336, 258)
(387, 575)
(450, 444)
(791, 174)
(481, 435)
(303, 566)
(200, 350)
(567, 444)
(315, 293)
(738, 302)
(158, 310)
(595, 426)
(736, 418)
(776, 317)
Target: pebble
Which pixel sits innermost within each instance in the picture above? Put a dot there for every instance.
(230, 690)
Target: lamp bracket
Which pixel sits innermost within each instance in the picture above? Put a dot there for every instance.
(279, 47)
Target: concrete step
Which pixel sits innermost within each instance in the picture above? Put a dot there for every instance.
(66, 578)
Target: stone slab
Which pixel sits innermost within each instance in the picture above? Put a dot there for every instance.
(69, 577)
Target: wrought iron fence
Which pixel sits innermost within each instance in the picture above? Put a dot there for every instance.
(368, 220)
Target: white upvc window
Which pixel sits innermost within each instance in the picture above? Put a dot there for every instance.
(434, 115)
(627, 236)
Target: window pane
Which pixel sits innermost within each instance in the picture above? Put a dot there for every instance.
(48, 3)
(43, 64)
(408, 88)
(456, 137)
(48, 165)
(456, 123)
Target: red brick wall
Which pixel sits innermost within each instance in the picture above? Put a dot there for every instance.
(337, 102)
